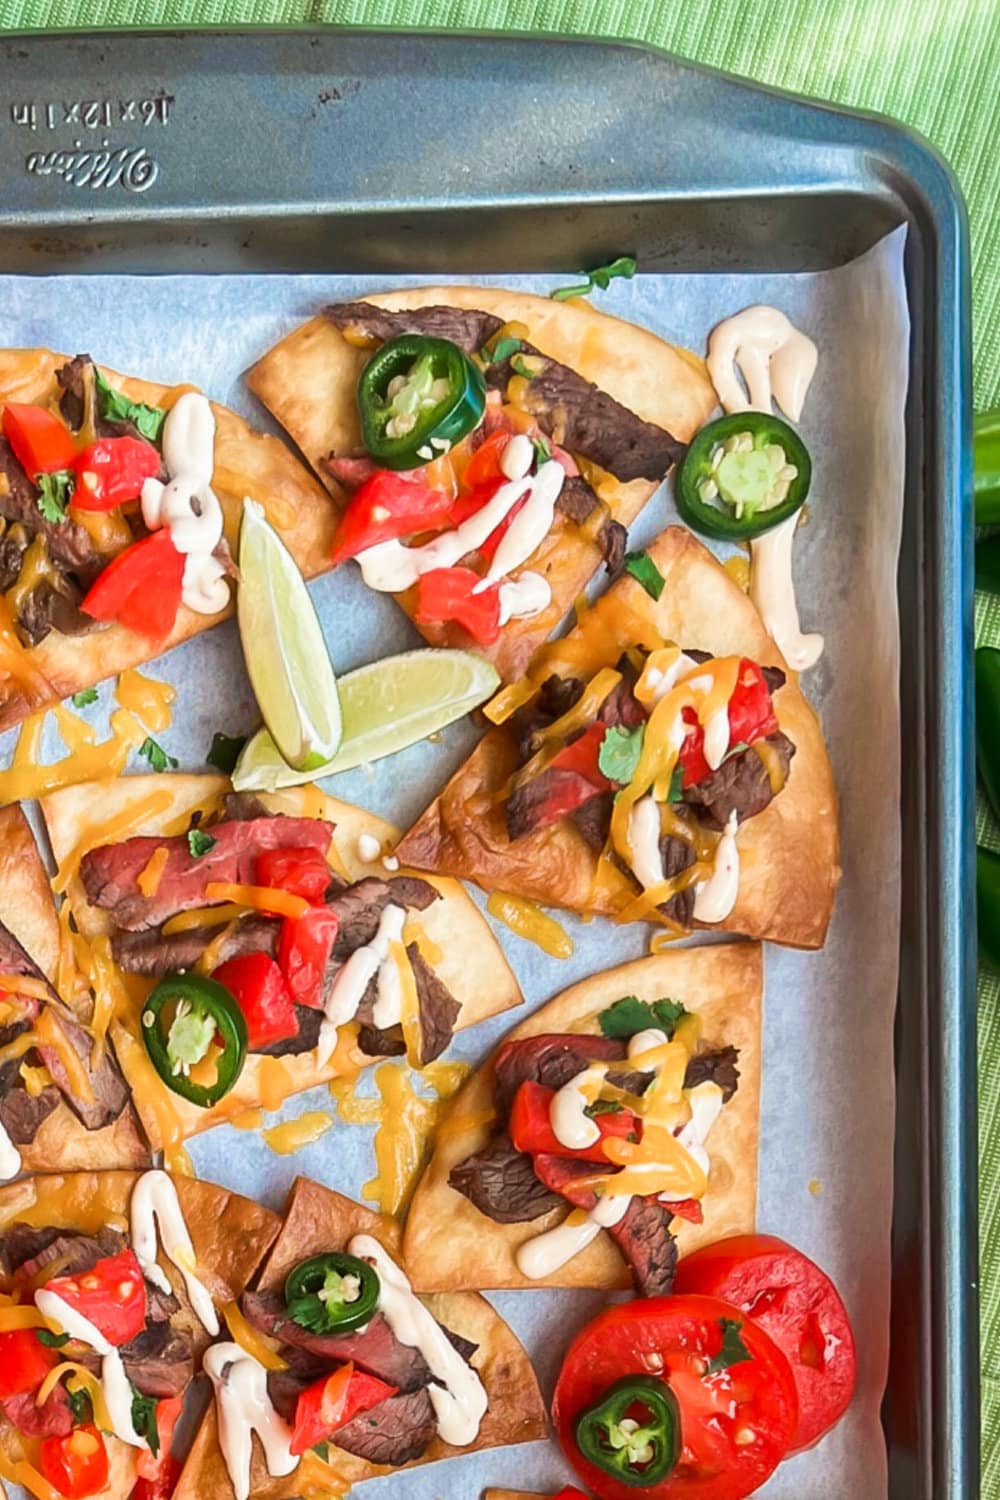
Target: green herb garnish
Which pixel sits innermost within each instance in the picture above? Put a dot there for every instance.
(733, 1351)
(79, 1405)
(51, 1340)
(602, 1107)
(676, 792)
(502, 349)
(627, 1017)
(520, 366)
(114, 407)
(84, 697)
(644, 571)
(156, 755)
(620, 752)
(599, 279)
(55, 493)
(225, 751)
(144, 1419)
(199, 842)
(543, 451)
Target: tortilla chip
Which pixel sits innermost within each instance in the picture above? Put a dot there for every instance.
(514, 1495)
(471, 961)
(230, 1236)
(308, 382)
(247, 463)
(62, 1142)
(788, 853)
(318, 1220)
(449, 1243)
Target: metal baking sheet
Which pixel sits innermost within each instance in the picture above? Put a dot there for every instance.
(777, 186)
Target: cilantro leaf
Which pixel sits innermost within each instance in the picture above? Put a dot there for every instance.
(602, 1107)
(644, 571)
(156, 755)
(55, 493)
(79, 1404)
(114, 407)
(520, 366)
(51, 1340)
(144, 1419)
(199, 842)
(598, 279)
(83, 697)
(631, 1015)
(620, 751)
(676, 784)
(733, 1351)
(502, 349)
(225, 751)
(322, 1450)
(543, 451)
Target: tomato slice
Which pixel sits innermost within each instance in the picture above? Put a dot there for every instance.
(112, 1296)
(41, 443)
(387, 507)
(446, 595)
(736, 1422)
(332, 1401)
(304, 949)
(258, 986)
(141, 587)
(24, 1362)
(798, 1306)
(304, 872)
(75, 1465)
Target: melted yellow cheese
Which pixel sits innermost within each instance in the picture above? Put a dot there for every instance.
(88, 761)
(19, 1471)
(109, 997)
(248, 1119)
(204, 916)
(51, 1034)
(255, 1344)
(149, 700)
(445, 1078)
(15, 663)
(36, 1080)
(738, 568)
(409, 1003)
(149, 877)
(531, 923)
(771, 761)
(81, 1379)
(178, 1162)
(407, 1123)
(14, 1317)
(286, 1139)
(19, 984)
(111, 831)
(275, 1082)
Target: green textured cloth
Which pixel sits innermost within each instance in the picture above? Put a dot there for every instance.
(934, 64)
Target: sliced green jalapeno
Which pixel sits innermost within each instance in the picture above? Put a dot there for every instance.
(634, 1432)
(742, 475)
(187, 1022)
(332, 1293)
(417, 397)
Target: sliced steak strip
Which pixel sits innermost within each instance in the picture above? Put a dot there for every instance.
(76, 1253)
(593, 820)
(553, 1060)
(577, 501)
(15, 959)
(643, 1235)
(556, 696)
(160, 1360)
(741, 784)
(109, 1088)
(501, 1182)
(393, 1433)
(374, 1040)
(151, 953)
(678, 855)
(716, 1066)
(70, 546)
(22, 1114)
(284, 1387)
(439, 1010)
(54, 1418)
(47, 608)
(546, 799)
(110, 872)
(359, 907)
(466, 327)
(374, 1348)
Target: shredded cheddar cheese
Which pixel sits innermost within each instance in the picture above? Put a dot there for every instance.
(528, 921)
(16, 1316)
(409, 1003)
(110, 831)
(406, 1126)
(203, 916)
(87, 760)
(286, 1139)
(36, 1080)
(151, 701)
(270, 899)
(149, 877)
(256, 1344)
(19, 984)
(81, 1379)
(19, 1471)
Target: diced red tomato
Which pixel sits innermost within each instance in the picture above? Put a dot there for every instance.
(304, 872)
(557, 796)
(75, 1465)
(158, 1473)
(111, 471)
(161, 1484)
(41, 443)
(446, 595)
(686, 1208)
(332, 1401)
(531, 1126)
(141, 587)
(388, 507)
(111, 1295)
(258, 986)
(751, 717)
(304, 950)
(736, 1423)
(24, 1362)
(797, 1304)
(483, 468)
(582, 755)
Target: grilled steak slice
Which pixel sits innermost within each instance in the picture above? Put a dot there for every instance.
(15, 959)
(556, 696)
(374, 1348)
(439, 1010)
(577, 501)
(394, 1433)
(160, 1305)
(613, 542)
(377, 1041)
(110, 872)
(677, 855)
(350, 473)
(466, 327)
(160, 1360)
(547, 798)
(645, 1240)
(553, 1060)
(741, 784)
(69, 544)
(22, 1114)
(76, 1253)
(593, 820)
(716, 1066)
(501, 1182)
(110, 1093)
(71, 403)
(359, 907)
(153, 954)
(284, 1387)
(13, 545)
(47, 608)
(305, 1039)
(774, 677)
(54, 1418)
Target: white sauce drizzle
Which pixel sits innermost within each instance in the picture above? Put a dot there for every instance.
(244, 1408)
(778, 362)
(715, 897)
(571, 1125)
(348, 988)
(187, 503)
(716, 744)
(10, 1157)
(524, 596)
(644, 841)
(369, 848)
(114, 1381)
(456, 1393)
(155, 1205)
(658, 682)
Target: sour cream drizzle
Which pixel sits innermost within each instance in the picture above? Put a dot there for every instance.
(244, 1408)
(155, 1205)
(715, 897)
(10, 1157)
(114, 1381)
(187, 503)
(456, 1393)
(348, 988)
(778, 362)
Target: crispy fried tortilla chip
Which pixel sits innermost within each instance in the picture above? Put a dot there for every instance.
(246, 463)
(788, 853)
(458, 942)
(448, 1243)
(308, 382)
(319, 1220)
(62, 1143)
(514, 1495)
(230, 1236)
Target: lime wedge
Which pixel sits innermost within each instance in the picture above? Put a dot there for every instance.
(286, 656)
(386, 706)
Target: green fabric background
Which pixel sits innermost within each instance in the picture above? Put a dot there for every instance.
(934, 64)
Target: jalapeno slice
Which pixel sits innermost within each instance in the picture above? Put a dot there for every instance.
(634, 1432)
(742, 475)
(417, 397)
(333, 1293)
(196, 1037)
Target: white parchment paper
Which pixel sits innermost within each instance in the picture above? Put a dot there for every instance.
(827, 1123)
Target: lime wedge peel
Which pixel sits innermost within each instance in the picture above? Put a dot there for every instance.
(286, 656)
(386, 706)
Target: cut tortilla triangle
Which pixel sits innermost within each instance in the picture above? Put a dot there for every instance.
(53, 1139)
(449, 1242)
(318, 1220)
(788, 853)
(247, 463)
